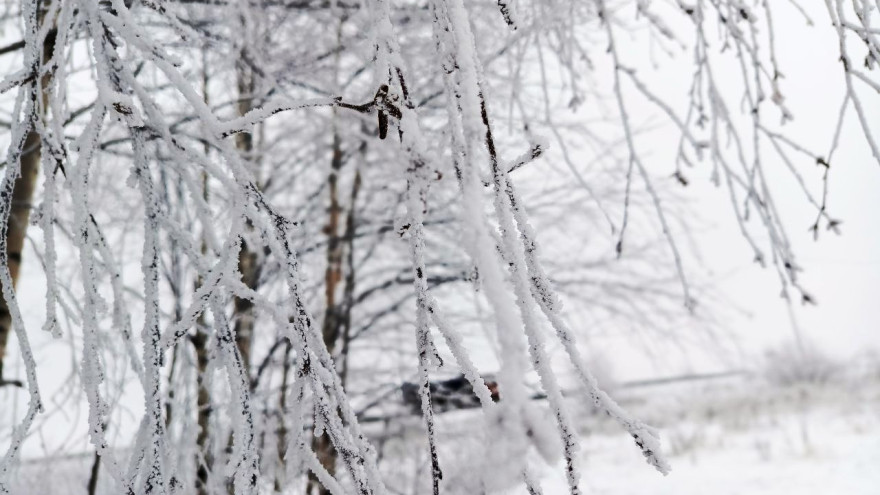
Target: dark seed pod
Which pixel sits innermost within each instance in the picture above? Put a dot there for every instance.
(383, 125)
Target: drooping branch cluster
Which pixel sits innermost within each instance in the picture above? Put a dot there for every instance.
(195, 149)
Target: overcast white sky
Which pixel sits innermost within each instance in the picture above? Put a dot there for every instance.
(841, 272)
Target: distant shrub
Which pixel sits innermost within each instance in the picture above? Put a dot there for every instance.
(866, 365)
(790, 364)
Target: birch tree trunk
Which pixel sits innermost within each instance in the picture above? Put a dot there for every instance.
(248, 264)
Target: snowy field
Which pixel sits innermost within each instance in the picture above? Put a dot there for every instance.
(724, 437)
(817, 440)
(731, 436)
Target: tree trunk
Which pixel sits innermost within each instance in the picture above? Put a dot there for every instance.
(330, 329)
(22, 196)
(248, 266)
(337, 316)
(280, 477)
(348, 290)
(204, 460)
(248, 263)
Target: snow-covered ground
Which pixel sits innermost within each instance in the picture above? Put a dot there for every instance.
(745, 439)
(724, 437)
